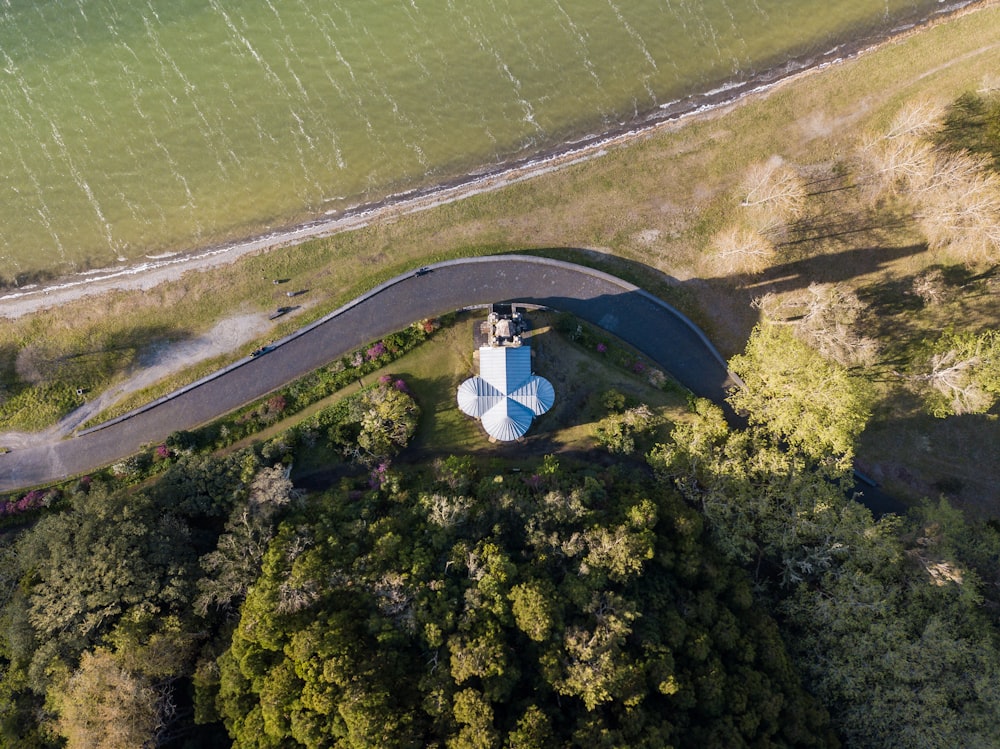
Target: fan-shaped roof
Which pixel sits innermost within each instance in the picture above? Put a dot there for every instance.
(505, 395)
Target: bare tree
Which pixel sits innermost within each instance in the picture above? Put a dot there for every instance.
(964, 374)
(931, 287)
(830, 325)
(959, 208)
(773, 194)
(737, 251)
(103, 706)
(825, 316)
(890, 165)
(891, 161)
(951, 375)
(235, 563)
(916, 119)
(956, 196)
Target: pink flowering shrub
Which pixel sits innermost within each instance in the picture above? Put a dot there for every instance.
(33, 500)
(378, 475)
(375, 351)
(533, 482)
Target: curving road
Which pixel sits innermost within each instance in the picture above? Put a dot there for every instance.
(630, 313)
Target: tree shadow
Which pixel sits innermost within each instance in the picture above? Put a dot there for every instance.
(134, 348)
(723, 305)
(145, 342)
(919, 456)
(828, 268)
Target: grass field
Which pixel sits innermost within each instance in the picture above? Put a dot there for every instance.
(645, 210)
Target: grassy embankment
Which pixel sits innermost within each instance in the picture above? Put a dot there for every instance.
(647, 208)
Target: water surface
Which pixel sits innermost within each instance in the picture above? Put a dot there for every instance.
(130, 129)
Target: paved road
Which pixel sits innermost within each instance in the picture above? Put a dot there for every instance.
(635, 316)
(632, 314)
(623, 309)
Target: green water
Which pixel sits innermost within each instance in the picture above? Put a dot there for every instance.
(130, 129)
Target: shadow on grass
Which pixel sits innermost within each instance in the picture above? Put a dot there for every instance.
(91, 366)
(910, 312)
(721, 306)
(830, 268)
(919, 456)
(443, 428)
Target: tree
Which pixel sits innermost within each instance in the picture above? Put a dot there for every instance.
(932, 287)
(768, 505)
(891, 160)
(109, 553)
(958, 206)
(544, 618)
(955, 194)
(596, 667)
(739, 250)
(825, 316)
(235, 563)
(773, 194)
(103, 706)
(533, 605)
(893, 640)
(617, 432)
(963, 373)
(388, 421)
(798, 397)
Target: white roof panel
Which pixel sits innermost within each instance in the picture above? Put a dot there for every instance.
(505, 395)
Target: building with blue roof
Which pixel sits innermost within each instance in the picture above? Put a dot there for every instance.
(506, 396)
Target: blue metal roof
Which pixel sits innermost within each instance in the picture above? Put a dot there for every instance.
(505, 395)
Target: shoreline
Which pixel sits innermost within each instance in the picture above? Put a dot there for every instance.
(139, 275)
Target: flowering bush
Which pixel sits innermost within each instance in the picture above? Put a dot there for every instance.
(378, 475)
(375, 351)
(131, 467)
(398, 383)
(533, 482)
(33, 500)
(601, 348)
(162, 452)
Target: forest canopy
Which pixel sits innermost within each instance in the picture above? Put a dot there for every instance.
(551, 609)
